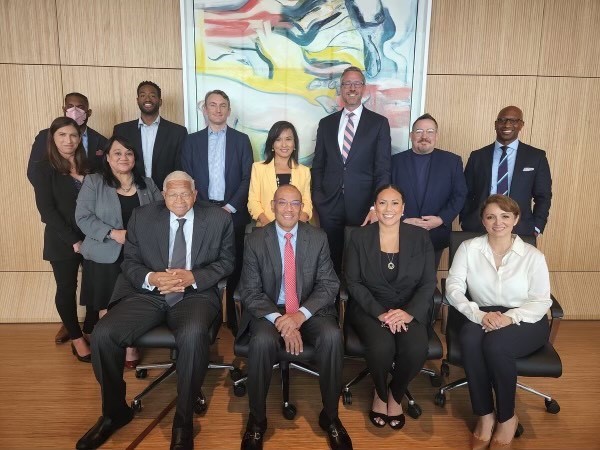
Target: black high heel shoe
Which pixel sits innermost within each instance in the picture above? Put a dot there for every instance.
(85, 359)
(373, 416)
(400, 421)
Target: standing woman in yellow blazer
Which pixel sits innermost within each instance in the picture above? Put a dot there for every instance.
(280, 167)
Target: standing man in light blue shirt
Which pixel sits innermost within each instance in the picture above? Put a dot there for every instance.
(156, 140)
(219, 159)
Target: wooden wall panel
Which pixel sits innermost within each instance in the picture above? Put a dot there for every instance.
(112, 92)
(29, 32)
(485, 37)
(566, 117)
(32, 98)
(571, 35)
(132, 33)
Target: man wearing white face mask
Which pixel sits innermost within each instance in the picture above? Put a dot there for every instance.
(77, 108)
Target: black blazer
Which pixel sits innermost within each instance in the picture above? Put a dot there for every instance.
(413, 288)
(366, 169)
(531, 180)
(167, 147)
(96, 146)
(55, 198)
(260, 284)
(147, 249)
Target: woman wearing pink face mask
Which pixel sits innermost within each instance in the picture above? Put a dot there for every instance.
(57, 183)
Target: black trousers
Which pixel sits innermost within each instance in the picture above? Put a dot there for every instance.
(190, 321)
(401, 354)
(489, 361)
(233, 279)
(65, 275)
(321, 332)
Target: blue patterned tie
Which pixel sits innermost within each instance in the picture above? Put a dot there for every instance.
(502, 184)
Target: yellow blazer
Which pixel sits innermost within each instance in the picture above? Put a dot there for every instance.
(263, 186)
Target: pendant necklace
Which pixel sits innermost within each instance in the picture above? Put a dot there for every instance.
(391, 264)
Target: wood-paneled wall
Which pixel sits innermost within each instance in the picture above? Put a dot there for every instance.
(541, 55)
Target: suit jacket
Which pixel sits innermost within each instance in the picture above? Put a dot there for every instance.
(147, 250)
(367, 167)
(413, 288)
(445, 191)
(167, 147)
(55, 197)
(316, 282)
(238, 165)
(96, 146)
(98, 211)
(534, 183)
(263, 186)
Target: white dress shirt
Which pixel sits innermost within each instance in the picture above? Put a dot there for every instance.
(522, 281)
(148, 135)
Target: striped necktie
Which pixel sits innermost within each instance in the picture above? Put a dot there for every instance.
(289, 274)
(502, 184)
(348, 137)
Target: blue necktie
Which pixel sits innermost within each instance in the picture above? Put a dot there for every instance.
(502, 184)
(177, 261)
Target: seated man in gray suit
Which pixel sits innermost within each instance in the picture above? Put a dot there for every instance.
(175, 254)
(288, 289)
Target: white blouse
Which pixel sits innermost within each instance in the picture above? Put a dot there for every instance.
(522, 281)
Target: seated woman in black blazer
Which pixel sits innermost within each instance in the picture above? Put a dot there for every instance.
(391, 278)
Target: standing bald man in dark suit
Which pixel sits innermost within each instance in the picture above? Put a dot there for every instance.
(175, 254)
(512, 168)
(288, 289)
(352, 159)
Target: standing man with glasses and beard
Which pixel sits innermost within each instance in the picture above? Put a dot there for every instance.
(352, 159)
(509, 167)
(433, 182)
(156, 140)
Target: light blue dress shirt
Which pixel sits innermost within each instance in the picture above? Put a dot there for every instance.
(216, 164)
(281, 240)
(511, 152)
(148, 133)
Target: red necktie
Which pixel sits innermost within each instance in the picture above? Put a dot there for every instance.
(289, 274)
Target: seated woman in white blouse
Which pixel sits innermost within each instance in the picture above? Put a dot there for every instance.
(509, 289)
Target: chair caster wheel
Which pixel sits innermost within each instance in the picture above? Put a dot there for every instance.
(235, 374)
(136, 405)
(435, 380)
(347, 397)
(440, 399)
(414, 410)
(239, 390)
(289, 411)
(141, 373)
(552, 406)
(445, 370)
(200, 406)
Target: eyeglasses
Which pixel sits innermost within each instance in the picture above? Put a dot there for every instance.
(296, 204)
(505, 120)
(428, 132)
(182, 196)
(354, 84)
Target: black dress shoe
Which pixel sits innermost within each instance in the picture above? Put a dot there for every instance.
(86, 359)
(337, 434)
(99, 433)
(182, 438)
(253, 439)
(62, 335)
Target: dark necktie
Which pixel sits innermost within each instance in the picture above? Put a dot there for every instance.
(177, 261)
(348, 137)
(502, 184)
(289, 261)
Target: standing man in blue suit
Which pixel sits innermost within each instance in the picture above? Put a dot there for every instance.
(352, 159)
(512, 168)
(433, 183)
(219, 159)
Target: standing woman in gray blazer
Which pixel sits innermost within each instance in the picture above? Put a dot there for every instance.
(104, 206)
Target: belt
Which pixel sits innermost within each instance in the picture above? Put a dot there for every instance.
(218, 202)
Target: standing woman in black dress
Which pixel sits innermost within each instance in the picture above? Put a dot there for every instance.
(58, 180)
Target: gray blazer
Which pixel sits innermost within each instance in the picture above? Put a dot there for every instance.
(98, 211)
(317, 283)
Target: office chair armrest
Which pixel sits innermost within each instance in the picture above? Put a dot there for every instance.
(444, 306)
(437, 304)
(237, 300)
(556, 314)
(343, 303)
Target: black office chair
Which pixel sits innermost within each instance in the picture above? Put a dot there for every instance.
(162, 337)
(286, 361)
(545, 362)
(354, 348)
